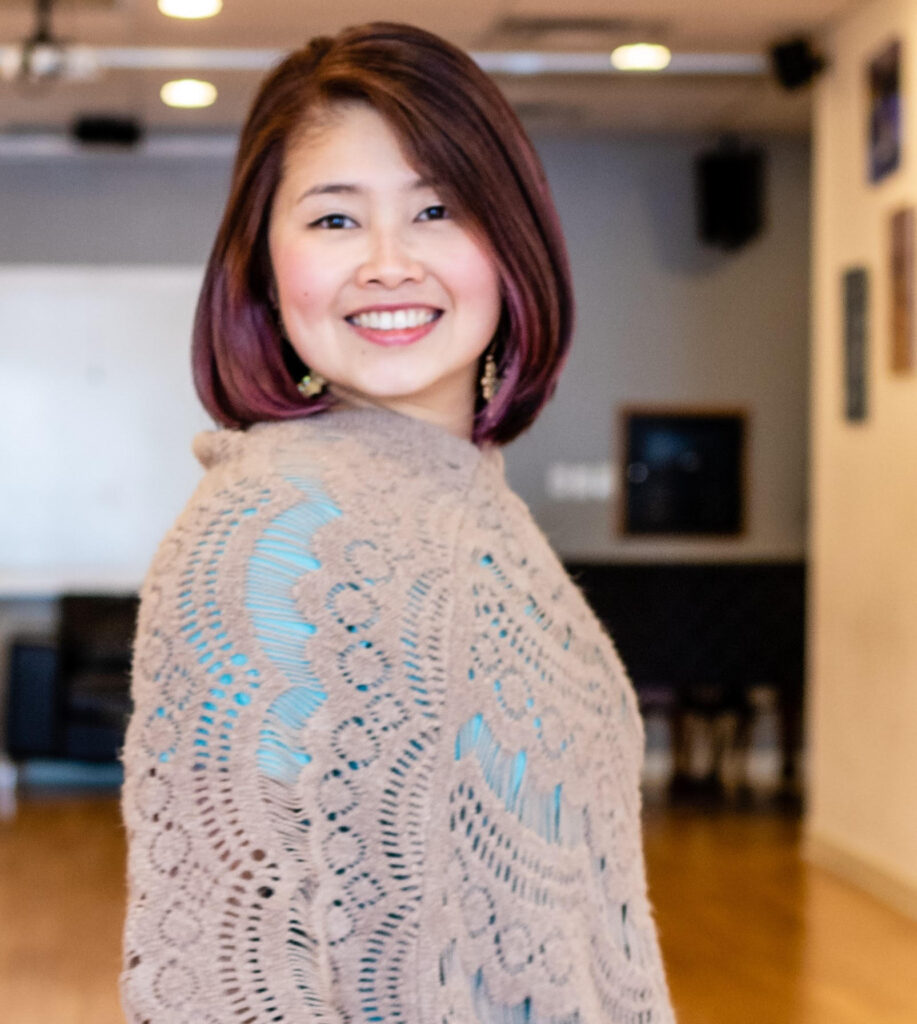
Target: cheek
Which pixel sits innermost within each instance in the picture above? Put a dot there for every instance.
(477, 281)
(304, 279)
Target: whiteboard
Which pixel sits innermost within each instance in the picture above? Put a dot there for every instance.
(97, 414)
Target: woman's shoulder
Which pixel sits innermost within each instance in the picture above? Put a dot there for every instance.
(351, 445)
(381, 480)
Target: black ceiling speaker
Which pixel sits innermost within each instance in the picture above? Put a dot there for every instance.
(729, 189)
(795, 63)
(106, 130)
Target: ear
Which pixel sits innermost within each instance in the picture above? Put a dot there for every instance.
(272, 293)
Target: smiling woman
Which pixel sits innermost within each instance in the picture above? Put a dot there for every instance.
(434, 116)
(382, 289)
(383, 764)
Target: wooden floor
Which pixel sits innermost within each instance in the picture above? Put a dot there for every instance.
(751, 935)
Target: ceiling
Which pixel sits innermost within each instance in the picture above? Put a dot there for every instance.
(579, 102)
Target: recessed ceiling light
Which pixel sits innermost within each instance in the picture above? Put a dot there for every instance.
(187, 92)
(641, 57)
(190, 8)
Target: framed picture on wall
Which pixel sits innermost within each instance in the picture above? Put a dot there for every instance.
(856, 340)
(683, 471)
(901, 258)
(885, 112)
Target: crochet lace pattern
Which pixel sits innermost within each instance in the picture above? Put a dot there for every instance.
(383, 765)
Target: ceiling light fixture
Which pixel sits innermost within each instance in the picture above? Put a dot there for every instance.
(188, 93)
(190, 8)
(641, 57)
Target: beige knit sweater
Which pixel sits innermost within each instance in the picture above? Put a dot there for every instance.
(383, 765)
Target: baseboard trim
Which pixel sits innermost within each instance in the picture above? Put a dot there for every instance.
(891, 889)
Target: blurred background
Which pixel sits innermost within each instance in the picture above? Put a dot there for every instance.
(727, 467)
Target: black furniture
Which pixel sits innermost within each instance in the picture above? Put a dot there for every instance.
(69, 696)
(703, 635)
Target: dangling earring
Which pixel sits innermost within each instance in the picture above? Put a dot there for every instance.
(311, 385)
(490, 384)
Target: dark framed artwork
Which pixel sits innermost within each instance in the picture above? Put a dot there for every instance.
(856, 342)
(683, 471)
(885, 112)
(901, 259)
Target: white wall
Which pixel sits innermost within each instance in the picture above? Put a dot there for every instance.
(96, 388)
(863, 601)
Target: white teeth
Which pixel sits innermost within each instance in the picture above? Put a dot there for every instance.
(397, 320)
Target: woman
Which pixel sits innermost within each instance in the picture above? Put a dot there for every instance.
(383, 764)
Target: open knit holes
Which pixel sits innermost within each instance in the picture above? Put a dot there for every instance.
(367, 668)
(232, 679)
(402, 824)
(383, 976)
(421, 641)
(231, 682)
(517, 868)
(545, 812)
(514, 678)
(515, 946)
(488, 1009)
(277, 560)
(508, 657)
(522, 687)
(281, 554)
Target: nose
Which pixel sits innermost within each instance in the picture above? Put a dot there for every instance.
(389, 260)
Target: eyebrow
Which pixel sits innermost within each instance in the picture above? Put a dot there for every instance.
(336, 188)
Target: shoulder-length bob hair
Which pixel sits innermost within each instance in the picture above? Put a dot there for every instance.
(455, 127)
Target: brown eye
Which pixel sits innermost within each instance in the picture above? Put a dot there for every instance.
(333, 221)
(438, 212)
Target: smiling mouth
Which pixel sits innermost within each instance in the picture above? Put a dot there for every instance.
(407, 319)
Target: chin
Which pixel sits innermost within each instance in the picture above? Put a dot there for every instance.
(393, 388)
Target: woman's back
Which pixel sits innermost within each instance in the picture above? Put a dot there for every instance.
(384, 762)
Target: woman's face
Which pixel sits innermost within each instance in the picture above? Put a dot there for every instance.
(381, 290)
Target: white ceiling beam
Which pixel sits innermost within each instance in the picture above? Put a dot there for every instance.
(504, 62)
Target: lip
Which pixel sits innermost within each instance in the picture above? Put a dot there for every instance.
(395, 339)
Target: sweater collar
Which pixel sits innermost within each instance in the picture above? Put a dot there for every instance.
(376, 423)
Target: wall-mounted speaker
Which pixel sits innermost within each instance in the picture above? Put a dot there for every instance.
(795, 63)
(729, 190)
(106, 130)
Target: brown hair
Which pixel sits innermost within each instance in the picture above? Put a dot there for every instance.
(457, 128)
